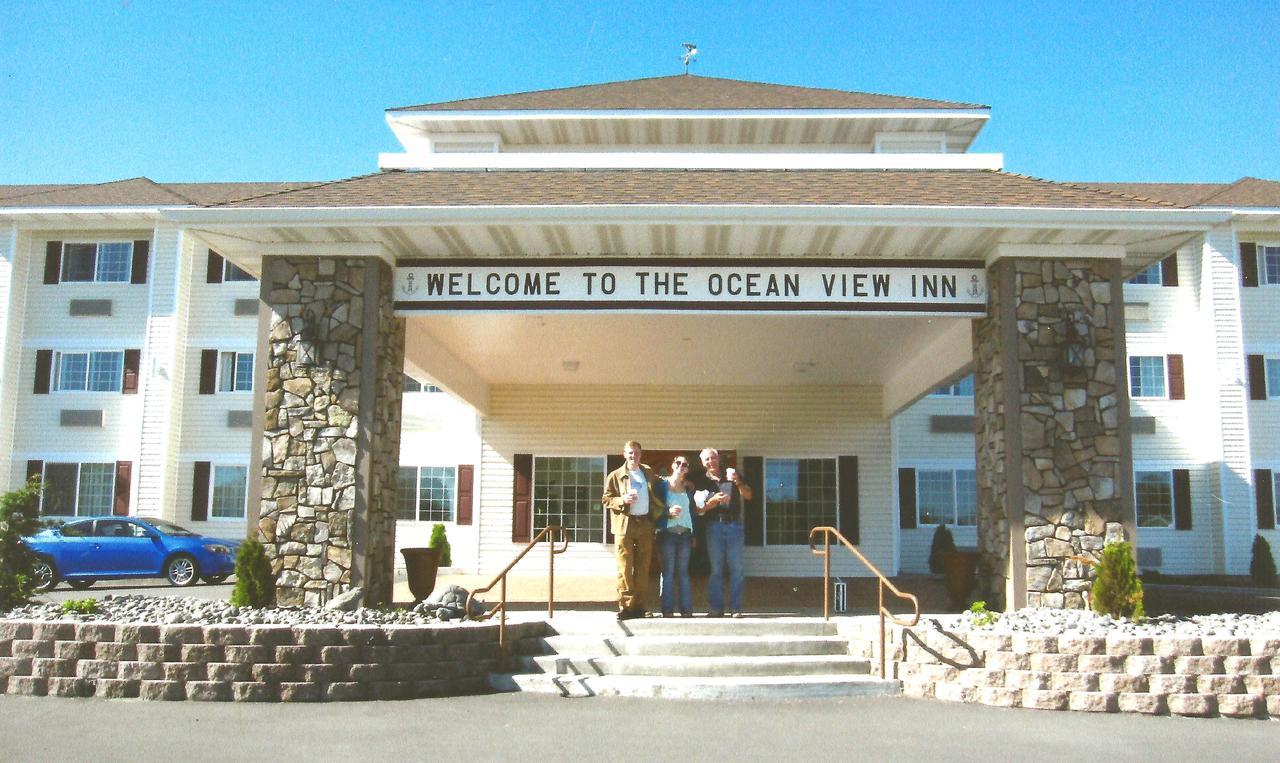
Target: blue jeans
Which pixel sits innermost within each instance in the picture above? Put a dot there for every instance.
(675, 548)
(724, 546)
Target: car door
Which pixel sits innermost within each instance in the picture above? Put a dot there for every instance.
(123, 548)
(74, 550)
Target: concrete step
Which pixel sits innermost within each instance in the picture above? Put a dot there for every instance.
(700, 688)
(687, 646)
(726, 626)
(684, 666)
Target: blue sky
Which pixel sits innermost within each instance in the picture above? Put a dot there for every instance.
(204, 91)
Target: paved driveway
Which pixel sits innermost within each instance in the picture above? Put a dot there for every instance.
(156, 587)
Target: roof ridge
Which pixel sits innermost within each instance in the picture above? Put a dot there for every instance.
(282, 191)
(1114, 194)
(1222, 190)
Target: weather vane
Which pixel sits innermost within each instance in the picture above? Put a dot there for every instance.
(690, 50)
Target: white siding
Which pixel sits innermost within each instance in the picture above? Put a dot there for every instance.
(15, 262)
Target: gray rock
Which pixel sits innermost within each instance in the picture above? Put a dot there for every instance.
(346, 602)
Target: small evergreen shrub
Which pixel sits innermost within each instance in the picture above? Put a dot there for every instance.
(255, 583)
(19, 516)
(1117, 591)
(942, 543)
(1262, 567)
(80, 606)
(438, 540)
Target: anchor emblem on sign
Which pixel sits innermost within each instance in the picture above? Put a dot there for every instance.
(975, 289)
(410, 286)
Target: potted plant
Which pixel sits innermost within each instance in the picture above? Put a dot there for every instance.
(421, 565)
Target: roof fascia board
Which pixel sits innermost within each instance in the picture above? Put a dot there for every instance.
(527, 114)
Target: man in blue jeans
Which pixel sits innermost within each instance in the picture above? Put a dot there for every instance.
(725, 494)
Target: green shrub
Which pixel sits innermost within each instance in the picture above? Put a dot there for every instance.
(19, 516)
(982, 617)
(255, 582)
(438, 540)
(942, 543)
(80, 606)
(1262, 567)
(1117, 591)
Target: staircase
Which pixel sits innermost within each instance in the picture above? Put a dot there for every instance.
(700, 658)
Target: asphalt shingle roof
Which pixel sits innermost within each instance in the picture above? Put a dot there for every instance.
(134, 192)
(1245, 192)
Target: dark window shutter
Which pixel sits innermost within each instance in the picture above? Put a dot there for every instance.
(466, 477)
(1249, 264)
(213, 271)
(752, 515)
(610, 464)
(124, 474)
(847, 490)
(141, 257)
(1181, 499)
(200, 492)
(44, 371)
(1169, 271)
(1257, 377)
(1177, 382)
(522, 499)
(907, 499)
(129, 382)
(35, 468)
(1264, 495)
(208, 371)
(52, 261)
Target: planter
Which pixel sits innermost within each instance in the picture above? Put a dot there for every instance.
(421, 565)
(960, 574)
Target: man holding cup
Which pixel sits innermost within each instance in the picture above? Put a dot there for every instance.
(720, 497)
(631, 495)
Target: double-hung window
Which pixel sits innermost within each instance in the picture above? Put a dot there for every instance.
(800, 494)
(1153, 494)
(566, 492)
(233, 272)
(106, 262)
(946, 497)
(413, 385)
(962, 388)
(235, 372)
(1147, 376)
(78, 489)
(1148, 277)
(1273, 377)
(88, 371)
(1269, 261)
(229, 491)
(427, 493)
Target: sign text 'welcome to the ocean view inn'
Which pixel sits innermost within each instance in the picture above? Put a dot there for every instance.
(957, 288)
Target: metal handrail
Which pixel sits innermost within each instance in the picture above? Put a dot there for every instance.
(825, 553)
(501, 607)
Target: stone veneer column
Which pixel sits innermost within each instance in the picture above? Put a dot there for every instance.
(1054, 463)
(331, 388)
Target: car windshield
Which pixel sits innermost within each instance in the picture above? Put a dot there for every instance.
(169, 529)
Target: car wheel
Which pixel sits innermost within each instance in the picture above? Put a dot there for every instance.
(214, 579)
(80, 585)
(44, 575)
(181, 571)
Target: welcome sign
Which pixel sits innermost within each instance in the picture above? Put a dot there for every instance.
(957, 288)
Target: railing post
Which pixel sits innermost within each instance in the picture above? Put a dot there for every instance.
(502, 621)
(826, 575)
(551, 574)
(880, 589)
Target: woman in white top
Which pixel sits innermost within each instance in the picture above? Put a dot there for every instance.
(675, 538)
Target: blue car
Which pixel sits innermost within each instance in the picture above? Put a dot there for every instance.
(88, 550)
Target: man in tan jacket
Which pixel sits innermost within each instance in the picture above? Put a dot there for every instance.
(632, 498)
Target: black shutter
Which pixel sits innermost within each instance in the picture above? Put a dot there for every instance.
(208, 371)
(124, 474)
(1249, 264)
(466, 480)
(1177, 379)
(1257, 377)
(213, 270)
(200, 492)
(129, 382)
(52, 261)
(907, 499)
(611, 463)
(522, 499)
(847, 490)
(1169, 271)
(1181, 499)
(44, 371)
(752, 514)
(1264, 495)
(141, 257)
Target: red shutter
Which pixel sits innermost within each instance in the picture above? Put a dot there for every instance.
(1257, 377)
(522, 499)
(907, 499)
(208, 371)
(1181, 499)
(200, 492)
(1264, 495)
(752, 513)
(611, 463)
(141, 258)
(44, 371)
(213, 270)
(847, 492)
(124, 473)
(1177, 383)
(52, 261)
(1169, 271)
(1249, 264)
(466, 477)
(35, 469)
(129, 383)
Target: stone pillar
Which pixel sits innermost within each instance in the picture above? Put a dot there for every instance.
(1054, 465)
(331, 384)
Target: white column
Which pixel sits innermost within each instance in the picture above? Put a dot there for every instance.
(15, 269)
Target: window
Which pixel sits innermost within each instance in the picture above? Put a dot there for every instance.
(427, 493)
(413, 385)
(1273, 377)
(962, 388)
(1146, 376)
(947, 497)
(230, 491)
(1153, 492)
(1149, 277)
(800, 494)
(235, 372)
(1275, 493)
(566, 492)
(1269, 262)
(78, 490)
(104, 262)
(89, 371)
(233, 272)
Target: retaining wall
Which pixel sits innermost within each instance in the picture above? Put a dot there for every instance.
(262, 663)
